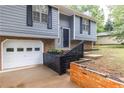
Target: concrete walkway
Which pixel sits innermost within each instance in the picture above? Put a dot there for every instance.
(38, 77)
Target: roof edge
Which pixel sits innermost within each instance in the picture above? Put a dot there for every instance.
(75, 12)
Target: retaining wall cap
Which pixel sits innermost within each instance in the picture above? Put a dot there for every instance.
(83, 66)
(116, 81)
(99, 73)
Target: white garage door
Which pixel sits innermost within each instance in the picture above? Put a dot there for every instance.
(18, 53)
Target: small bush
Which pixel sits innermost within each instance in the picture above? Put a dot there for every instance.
(55, 51)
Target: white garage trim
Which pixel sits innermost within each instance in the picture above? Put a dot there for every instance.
(2, 50)
(2, 53)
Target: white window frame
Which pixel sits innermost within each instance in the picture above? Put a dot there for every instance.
(40, 10)
(85, 24)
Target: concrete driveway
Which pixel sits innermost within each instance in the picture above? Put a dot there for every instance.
(36, 77)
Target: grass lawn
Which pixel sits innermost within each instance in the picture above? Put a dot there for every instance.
(112, 60)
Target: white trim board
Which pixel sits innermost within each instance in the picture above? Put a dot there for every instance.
(62, 37)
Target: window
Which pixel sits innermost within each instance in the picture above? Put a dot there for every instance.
(44, 18)
(36, 16)
(37, 49)
(40, 13)
(10, 49)
(20, 49)
(85, 24)
(29, 49)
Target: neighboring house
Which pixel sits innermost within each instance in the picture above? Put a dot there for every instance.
(26, 32)
(106, 38)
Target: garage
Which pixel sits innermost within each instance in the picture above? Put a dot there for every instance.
(19, 53)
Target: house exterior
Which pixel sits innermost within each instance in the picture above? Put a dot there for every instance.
(28, 31)
(105, 38)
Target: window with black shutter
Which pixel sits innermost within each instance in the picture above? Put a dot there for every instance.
(40, 13)
(86, 25)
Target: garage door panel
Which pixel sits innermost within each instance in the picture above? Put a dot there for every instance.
(18, 53)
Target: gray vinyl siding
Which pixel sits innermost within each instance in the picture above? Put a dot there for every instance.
(93, 30)
(77, 27)
(13, 22)
(64, 21)
(84, 35)
(67, 22)
(0, 18)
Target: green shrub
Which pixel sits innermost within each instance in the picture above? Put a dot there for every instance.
(55, 51)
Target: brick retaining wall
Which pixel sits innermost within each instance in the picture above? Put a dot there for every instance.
(86, 78)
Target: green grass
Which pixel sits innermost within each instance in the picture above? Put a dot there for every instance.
(114, 46)
(113, 57)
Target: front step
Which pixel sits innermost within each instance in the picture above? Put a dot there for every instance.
(85, 59)
(86, 52)
(82, 60)
(93, 56)
(68, 71)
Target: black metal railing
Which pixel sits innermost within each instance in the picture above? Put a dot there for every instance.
(74, 54)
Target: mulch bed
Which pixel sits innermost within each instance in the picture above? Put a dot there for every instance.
(98, 65)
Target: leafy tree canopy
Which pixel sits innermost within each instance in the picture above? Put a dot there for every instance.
(117, 13)
(109, 25)
(119, 34)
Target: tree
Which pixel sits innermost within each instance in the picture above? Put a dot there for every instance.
(109, 25)
(118, 15)
(119, 34)
(96, 12)
(118, 18)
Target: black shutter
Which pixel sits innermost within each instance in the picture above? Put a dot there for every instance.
(81, 26)
(89, 27)
(49, 23)
(29, 15)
